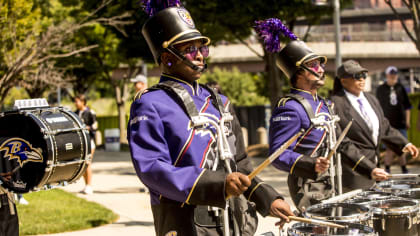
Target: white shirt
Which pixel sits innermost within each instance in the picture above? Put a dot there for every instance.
(369, 110)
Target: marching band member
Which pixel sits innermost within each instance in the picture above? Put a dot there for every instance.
(309, 181)
(178, 159)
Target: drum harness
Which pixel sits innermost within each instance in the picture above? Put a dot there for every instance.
(328, 122)
(205, 120)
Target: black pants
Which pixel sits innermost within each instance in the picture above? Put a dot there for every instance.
(9, 224)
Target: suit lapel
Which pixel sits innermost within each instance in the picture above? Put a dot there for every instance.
(351, 112)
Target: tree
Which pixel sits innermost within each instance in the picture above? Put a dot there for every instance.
(232, 20)
(414, 8)
(240, 88)
(119, 56)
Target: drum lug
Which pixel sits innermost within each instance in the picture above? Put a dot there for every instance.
(383, 223)
(410, 222)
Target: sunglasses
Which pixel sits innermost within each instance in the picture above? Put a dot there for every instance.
(360, 76)
(191, 52)
(315, 65)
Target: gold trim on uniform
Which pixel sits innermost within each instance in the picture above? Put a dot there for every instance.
(256, 186)
(193, 187)
(282, 101)
(293, 166)
(184, 82)
(358, 162)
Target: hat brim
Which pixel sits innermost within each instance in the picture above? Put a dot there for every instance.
(323, 59)
(192, 37)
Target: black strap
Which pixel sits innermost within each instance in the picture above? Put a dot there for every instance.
(304, 103)
(215, 98)
(184, 98)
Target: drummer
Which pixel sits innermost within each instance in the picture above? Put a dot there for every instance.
(370, 127)
(305, 160)
(178, 159)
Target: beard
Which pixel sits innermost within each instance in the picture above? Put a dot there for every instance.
(315, 82)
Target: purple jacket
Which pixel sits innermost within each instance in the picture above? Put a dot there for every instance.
(287, 119)
(171, 158)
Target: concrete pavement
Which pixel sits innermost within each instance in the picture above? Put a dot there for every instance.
(117, 187)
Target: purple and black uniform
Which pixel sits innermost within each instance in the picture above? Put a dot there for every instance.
(172, 159)
(305, 185)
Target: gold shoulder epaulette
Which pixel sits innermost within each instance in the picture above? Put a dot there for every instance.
(283, 101)
(138, 94)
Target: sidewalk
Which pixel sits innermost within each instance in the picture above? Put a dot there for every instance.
(117, 187)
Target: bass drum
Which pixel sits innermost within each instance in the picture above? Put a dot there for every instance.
(41, 147)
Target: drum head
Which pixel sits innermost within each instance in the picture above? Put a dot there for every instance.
(411, 194)
(398, 185)
(374, 195)
(317, 230)
(23, 153)
(395, 206)
(346, 212)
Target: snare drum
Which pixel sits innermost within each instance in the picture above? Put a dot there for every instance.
(393, 186)
(396, 216)
(366, 197)
(339, 212)
(304, 229)
(415, 195)
(41, 147)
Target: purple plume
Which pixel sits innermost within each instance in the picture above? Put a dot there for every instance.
(271, 31)
(151, 7)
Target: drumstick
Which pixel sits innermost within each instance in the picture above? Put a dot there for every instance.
(340, 139)
(402, 176)
(273, 156)
(317, 222)
(342, 197)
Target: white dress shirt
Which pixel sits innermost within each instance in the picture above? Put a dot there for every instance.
(369, 110)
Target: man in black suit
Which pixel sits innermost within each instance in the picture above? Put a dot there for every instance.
(370, 127)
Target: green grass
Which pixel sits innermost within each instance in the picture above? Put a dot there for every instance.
(55, 211)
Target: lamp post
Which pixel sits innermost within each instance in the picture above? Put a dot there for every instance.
(337, 28)
(336, 20)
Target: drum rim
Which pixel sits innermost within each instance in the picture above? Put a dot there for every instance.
(364, 195)
(350, 218)
(396, 211)
(408, 191)
(299, 224)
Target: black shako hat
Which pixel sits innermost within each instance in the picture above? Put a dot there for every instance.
(293, 55)
(168, 27)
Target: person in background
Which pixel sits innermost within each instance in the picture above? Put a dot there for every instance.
(369, 128)
(88, 117)
(21, 200)
(396, 106)
(140, 83)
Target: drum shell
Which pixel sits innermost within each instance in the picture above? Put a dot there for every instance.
(61, 136)
(304, 229)
(400, 220)
(413, 194)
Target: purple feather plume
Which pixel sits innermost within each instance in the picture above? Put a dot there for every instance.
(271, 31)
(151, 7)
